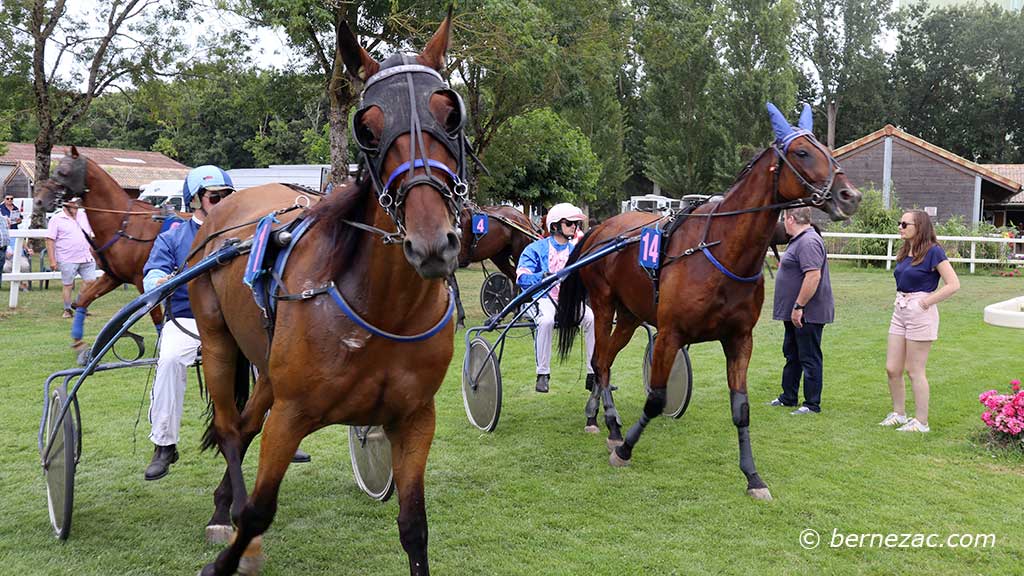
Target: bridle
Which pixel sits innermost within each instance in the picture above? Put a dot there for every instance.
(70, 180)
(402, 91)
(818, 195)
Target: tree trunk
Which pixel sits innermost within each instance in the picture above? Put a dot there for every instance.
(44, 146)
(831, 125)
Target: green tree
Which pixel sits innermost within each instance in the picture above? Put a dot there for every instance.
(312, 27)
(539, 159)
(132, 40)
(753, 42)
(683, 142)
(958, 75)
(505, 58)
(840, 41)
(593, 38)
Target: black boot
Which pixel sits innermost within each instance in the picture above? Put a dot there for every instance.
(542, 382)
(591, 380)
(300, 457)
(163, 457)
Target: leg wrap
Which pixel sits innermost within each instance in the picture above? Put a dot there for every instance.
(741, 418)
(740, 409)
(593, 403)
(78, 324)
(610, 413)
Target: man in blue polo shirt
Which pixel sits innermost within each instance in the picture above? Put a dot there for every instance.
(803, 302)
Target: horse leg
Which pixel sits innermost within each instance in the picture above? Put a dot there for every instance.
(224, 386)
(283, 432)
(93, 290)
(410, 445)
(460, 312)
(737, 357)
(219, 529)
(503, 260)
(86, 296)
(603, 316)
(665, 348)
(625, 327)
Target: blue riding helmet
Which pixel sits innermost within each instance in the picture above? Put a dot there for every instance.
(206, 177)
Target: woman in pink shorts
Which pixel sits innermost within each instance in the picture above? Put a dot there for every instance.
(915, 319)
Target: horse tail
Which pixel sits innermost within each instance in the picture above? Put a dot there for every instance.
(571, 297)
(243, 370)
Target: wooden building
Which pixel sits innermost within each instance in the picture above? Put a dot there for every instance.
(919, 174)
(1011, 212)
(130, 168)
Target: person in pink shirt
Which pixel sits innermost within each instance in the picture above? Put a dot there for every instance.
(69, 250)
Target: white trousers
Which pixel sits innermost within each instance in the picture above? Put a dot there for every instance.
(177, 352)
(545, 329)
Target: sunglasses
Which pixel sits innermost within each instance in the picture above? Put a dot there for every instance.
(905, 224)
(9, 198)
(570, 223)
(214, 198)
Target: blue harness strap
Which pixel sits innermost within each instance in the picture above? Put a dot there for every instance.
(724, 270)
(254, 268)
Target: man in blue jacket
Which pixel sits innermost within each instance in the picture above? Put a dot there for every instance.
(204, 187)
(542, 258)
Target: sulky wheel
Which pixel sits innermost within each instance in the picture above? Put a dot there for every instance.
(370, 450)
(680, 381)
(59, 464)
(497, 291)
(481, 385)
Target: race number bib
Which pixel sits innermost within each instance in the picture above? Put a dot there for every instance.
(480, 224)
(650, 248)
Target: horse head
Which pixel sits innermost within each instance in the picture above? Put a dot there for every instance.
(814, 175)
(67, 181)
(409, 127)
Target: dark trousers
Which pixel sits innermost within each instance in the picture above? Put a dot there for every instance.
(802, 349)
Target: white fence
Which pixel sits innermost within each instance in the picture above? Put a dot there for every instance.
(1012, 245)
(16, 276)
(952, 245)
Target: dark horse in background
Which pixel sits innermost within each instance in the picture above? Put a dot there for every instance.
(509, 233)
(125, 227)
(781, 237)
(699, 300)
(380, 359)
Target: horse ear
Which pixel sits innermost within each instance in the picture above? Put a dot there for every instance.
(357, 60)
(780, 125)
(806, 118)
(433, 54)
(74, 151)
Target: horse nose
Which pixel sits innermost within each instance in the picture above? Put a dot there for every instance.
(433, 258)
(849, 195)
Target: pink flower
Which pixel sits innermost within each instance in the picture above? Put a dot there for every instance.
(1015, 384)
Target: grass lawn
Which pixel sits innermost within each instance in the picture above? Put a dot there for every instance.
(537, 497)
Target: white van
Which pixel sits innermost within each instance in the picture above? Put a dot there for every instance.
(163, 192)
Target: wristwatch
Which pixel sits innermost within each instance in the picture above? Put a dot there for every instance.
(797, 306)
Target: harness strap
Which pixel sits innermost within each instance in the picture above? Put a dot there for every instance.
(331, 289)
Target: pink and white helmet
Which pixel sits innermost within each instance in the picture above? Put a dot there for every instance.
(564, 211)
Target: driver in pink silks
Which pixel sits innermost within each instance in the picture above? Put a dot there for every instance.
(543, 258)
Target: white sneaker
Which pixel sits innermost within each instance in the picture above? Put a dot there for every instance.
(894, 419)
(913, 425)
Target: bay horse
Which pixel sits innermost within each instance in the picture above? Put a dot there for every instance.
(335, 354)
(125, 227)
(509, 232)
(711, 286)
